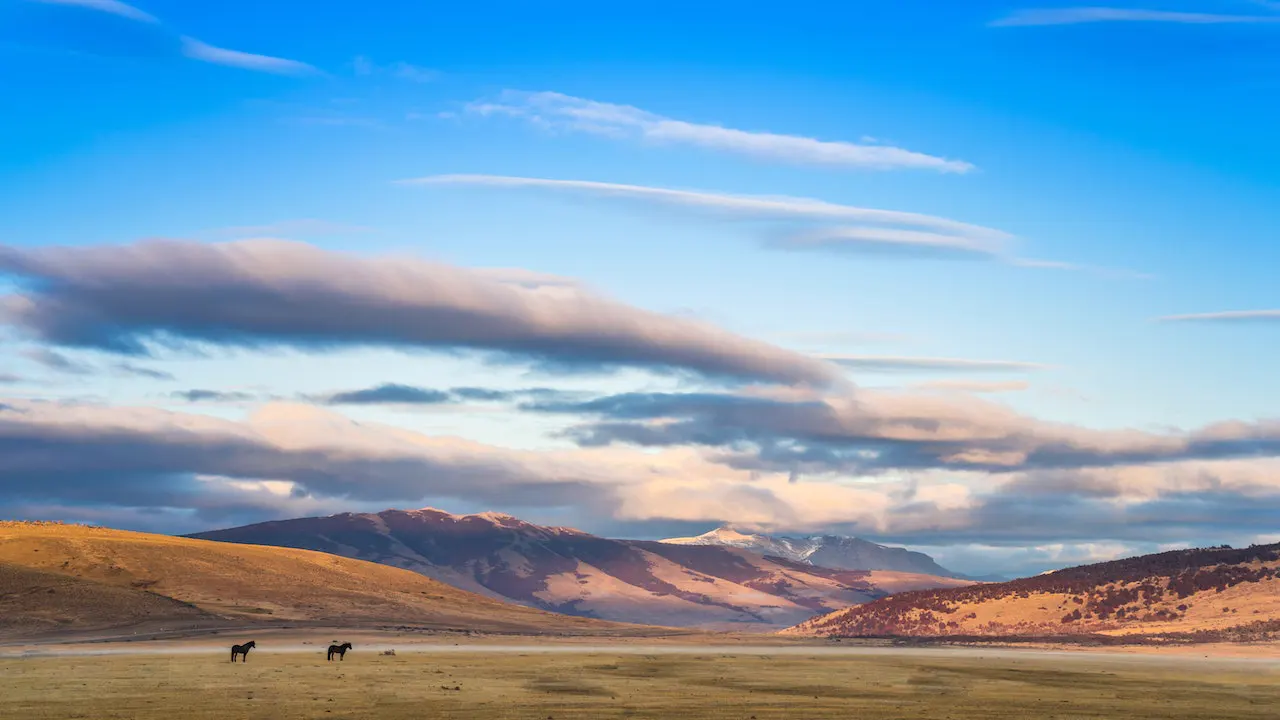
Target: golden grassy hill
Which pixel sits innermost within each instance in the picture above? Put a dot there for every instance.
(114, 578)
(1202, 595)
(33, 602)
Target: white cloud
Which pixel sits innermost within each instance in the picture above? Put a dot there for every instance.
(113, 7)
(974, 386)
(906, 232)
(1079, 15)
(197, 50)
(873, 238)
(1224, 316)
(891, 363)
(738, 205)
(564, 112)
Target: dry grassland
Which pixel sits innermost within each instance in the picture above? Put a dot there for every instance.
(565, 686)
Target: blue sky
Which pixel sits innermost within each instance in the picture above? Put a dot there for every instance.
(1112, 168)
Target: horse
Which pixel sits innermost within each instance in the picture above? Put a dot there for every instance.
(242, 650)
(339, 650)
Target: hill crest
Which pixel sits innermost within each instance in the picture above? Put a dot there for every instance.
(569, 571)
(1205, 594)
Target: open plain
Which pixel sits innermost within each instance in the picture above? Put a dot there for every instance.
(287, 677)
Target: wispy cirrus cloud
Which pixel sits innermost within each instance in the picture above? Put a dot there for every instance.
(188, 46)
(729, 204)
(1225, 316)
(567, 113)
(112, 7)
(57, 362)
(1080, 15)
(885, 363)
(890, 240)
(204, 52)
(263, 293)
(809, 224)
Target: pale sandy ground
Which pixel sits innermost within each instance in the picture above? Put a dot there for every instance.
(375, 642)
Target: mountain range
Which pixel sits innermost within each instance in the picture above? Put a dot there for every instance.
(694, 584)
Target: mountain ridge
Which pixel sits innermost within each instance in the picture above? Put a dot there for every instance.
(569, 571)
(834, 551)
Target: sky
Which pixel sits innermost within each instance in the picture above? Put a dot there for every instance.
(992, 280)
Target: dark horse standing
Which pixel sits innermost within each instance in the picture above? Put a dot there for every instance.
(339, 650)
(242, 650)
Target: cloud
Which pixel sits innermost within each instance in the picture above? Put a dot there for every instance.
(143, 466)
(9, 379)
(750, 206)
(397, 394)
(189, 46)
(260, 293)
(975, 386)
(881, 363)
(1079, 15)
(868, 433)
(906, 233)
(112, 7)
(389, 394)
(199, 395)
(362, 65)
(204, 52)
(564, 112)
(126, 368)
(1227, 316)
(863, 239)
(56, 361)
(139, 457)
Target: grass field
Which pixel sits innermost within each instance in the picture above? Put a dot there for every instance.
(567, 685)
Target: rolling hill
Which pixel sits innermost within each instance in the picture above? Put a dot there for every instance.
(569, 571)
(832, 551)
(70, 577)
(1213, 594)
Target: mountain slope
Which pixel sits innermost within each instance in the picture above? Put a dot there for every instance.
(1204, 594)
(569, 571)
(114, 578)
(833, 551)
(33, 602)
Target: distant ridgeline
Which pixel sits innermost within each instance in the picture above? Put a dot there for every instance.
(1211, 594)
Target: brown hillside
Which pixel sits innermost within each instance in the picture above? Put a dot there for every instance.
(1189, 595)
(122, 576)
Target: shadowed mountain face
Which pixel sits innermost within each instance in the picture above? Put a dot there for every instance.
(569, 571)
(1215, 594)
(833, 551)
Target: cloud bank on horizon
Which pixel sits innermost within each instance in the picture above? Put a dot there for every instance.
(697, 293)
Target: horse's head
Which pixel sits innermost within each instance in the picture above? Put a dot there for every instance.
(346, 645)
(250, 644)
